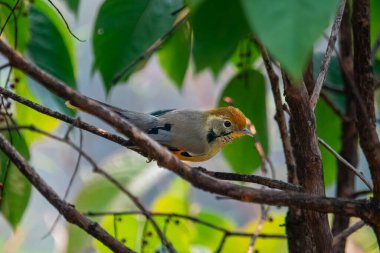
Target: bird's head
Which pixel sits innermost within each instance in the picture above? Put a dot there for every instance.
(226, 124)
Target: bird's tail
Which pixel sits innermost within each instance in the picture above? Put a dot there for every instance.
(74, 106)
(141, 120)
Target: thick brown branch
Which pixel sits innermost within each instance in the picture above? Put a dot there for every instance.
(366, 123)
(67, 210)
(308, 164)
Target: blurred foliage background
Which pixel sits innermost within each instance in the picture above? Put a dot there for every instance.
(208, 56)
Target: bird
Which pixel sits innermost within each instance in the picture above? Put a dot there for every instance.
(191, 135)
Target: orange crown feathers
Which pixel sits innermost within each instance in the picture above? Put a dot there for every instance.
(234, 114)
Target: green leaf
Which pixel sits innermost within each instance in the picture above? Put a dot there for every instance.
(22, 23)
(247, 90)
(218, 27)
(329, 129)
(73, 5)
(27, 116)
(175, 54)
(289, 28)
(17, 189)
(51, 48)
(124, 30)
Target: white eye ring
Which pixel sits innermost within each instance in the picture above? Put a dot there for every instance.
(227, 123)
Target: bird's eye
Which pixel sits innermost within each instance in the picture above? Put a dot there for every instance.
(227, 123)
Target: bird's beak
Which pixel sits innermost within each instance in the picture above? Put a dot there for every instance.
(246, 131)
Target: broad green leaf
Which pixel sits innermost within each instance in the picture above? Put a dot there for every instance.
(73, 5)
(50, 47)
(333, 80)
(175, 55)
(10, 28)
(247, 90)
(27, 116)
(289, 28)
(218, 27)
(98, 195)
(124, 30)
(17, 189)
(329, 129)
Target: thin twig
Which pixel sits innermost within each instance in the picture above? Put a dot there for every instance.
(259, 227)
(64, 20)
(347, 232)
(9, 16)
(357, 194)
(333, 87)
(221, 243)
(344, 161)
(5, 65)
(333, 107)
(326, 58)
(271, 183)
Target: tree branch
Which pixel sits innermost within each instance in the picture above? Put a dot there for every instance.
(271, 183)
(280, 116)
(347, 232)
(326, 58)
(348, 165)
(366, 123)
